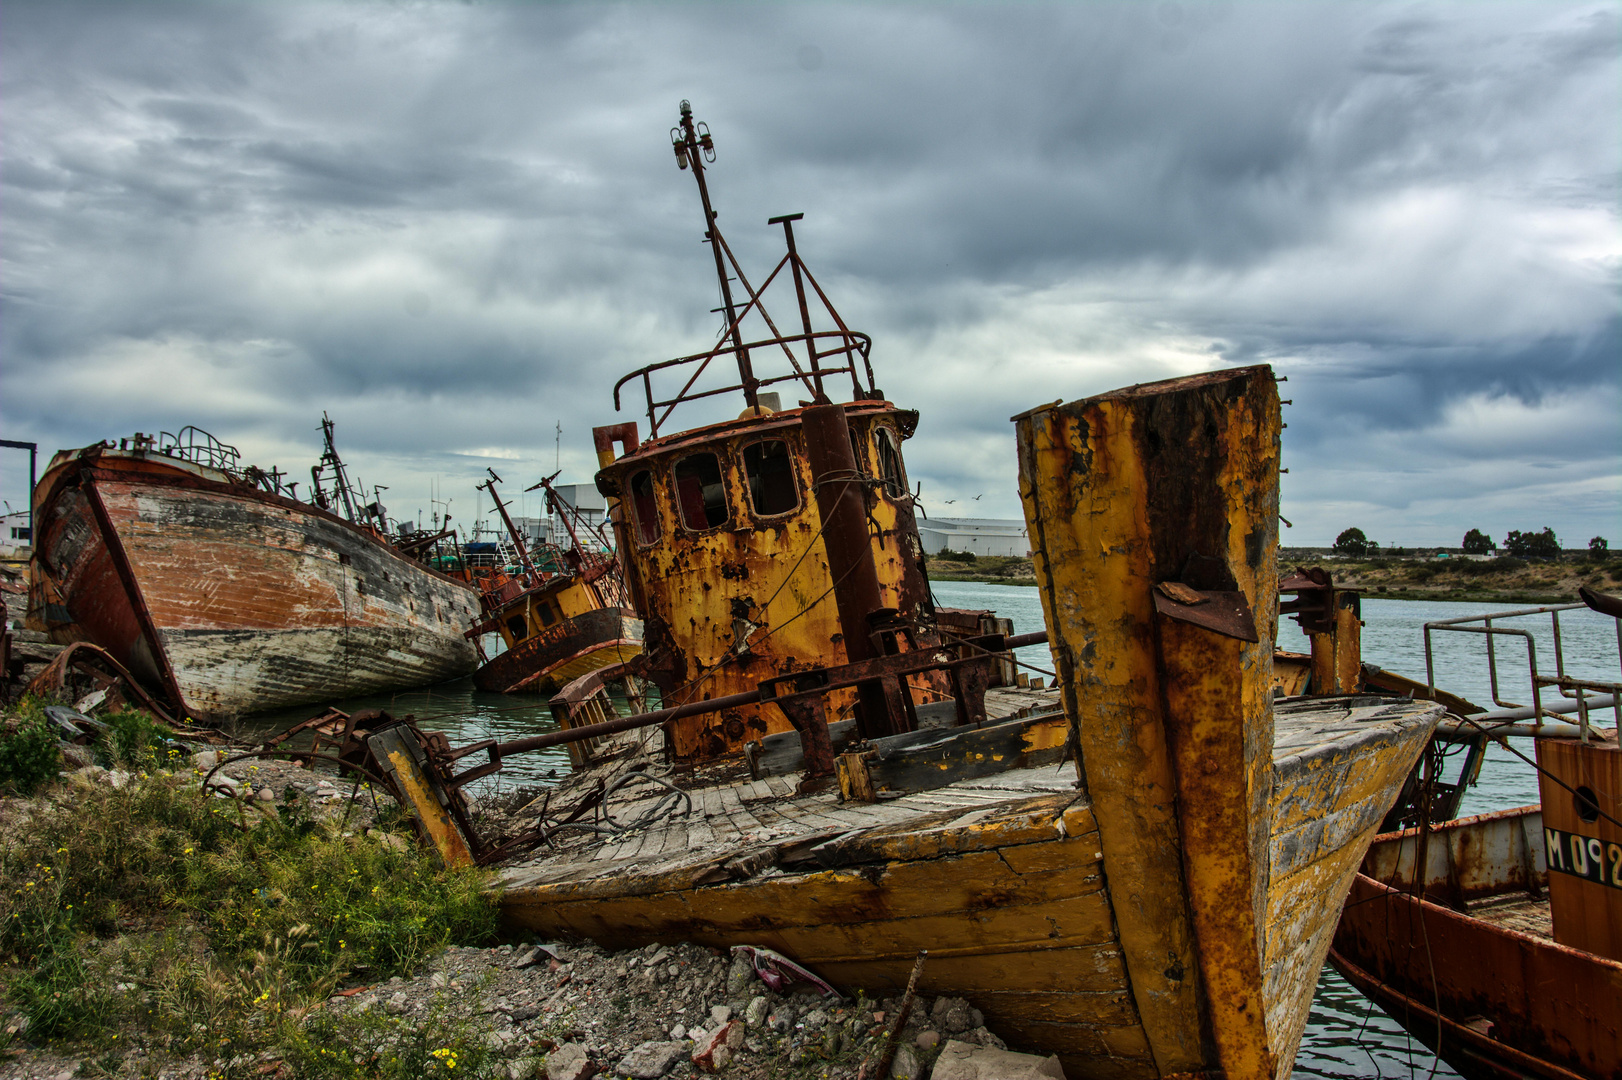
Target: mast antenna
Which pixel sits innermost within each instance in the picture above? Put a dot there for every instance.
(694, 147)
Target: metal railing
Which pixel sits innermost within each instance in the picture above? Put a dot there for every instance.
(199, 447)
(1581, 692)
(852, 345)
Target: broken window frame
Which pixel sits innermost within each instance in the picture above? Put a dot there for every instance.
(644, 507)
(704, 503)
(887, 452)
(789, 471)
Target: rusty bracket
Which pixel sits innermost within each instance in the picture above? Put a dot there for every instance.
(1314, 605)
(1221, 611)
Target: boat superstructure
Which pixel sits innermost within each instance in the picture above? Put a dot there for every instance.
(762, 545)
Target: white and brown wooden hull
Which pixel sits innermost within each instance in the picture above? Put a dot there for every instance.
(232, 600)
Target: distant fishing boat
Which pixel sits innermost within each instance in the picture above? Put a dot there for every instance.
(227, 595)
(561, 611)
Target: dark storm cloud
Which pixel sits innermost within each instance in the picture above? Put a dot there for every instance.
(455, 225)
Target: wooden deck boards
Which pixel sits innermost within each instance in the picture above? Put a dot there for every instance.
(1526, 914)
(738, 815)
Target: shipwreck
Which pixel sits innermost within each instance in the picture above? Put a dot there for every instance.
(1139, 872)
(223, 593)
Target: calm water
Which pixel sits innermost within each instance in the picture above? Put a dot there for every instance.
(1347, 1037)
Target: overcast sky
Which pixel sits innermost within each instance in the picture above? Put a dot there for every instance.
(453, 226)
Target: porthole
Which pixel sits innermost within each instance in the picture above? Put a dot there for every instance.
(1587, 804)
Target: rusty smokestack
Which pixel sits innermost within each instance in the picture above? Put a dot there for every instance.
(842, 506)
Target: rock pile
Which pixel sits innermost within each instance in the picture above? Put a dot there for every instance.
(567, 1012)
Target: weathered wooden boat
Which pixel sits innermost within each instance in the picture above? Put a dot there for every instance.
(1497, 940)
(225, 594)
(563, 615)
(1143, 881)
(1160, 907)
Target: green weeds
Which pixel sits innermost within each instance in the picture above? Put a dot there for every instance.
(201, 924)
(372, 1045)
(134, 740)
(29, 757)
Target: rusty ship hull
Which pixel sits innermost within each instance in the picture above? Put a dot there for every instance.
(1467, 963)
(233, 600)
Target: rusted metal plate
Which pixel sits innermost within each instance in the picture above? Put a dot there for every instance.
(1226, 613)
(1465, 859)
(729, 605)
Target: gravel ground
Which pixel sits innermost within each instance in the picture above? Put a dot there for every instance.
(572, 1010)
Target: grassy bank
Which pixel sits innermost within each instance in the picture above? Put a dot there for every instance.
(141, 920)
(992, 569)
(1502, 581)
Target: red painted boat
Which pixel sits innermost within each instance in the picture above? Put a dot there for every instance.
(226, 596)
(1487, 988)
(1497, 940)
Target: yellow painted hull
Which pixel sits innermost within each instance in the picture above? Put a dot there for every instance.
(1011, 898)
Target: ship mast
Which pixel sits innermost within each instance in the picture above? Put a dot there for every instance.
(512, 530)
(340, 478)
(694, 147)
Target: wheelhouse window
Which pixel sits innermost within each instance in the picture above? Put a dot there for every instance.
(518, 627)
(889, 462)
(545, 612)
(770, 471)
(700, 493)
(644, 510)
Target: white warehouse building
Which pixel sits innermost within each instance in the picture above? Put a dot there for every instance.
(983, 536)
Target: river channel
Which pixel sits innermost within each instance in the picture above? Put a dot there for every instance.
(1347, 1038)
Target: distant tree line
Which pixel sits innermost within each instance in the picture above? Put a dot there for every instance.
(1521, 545)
